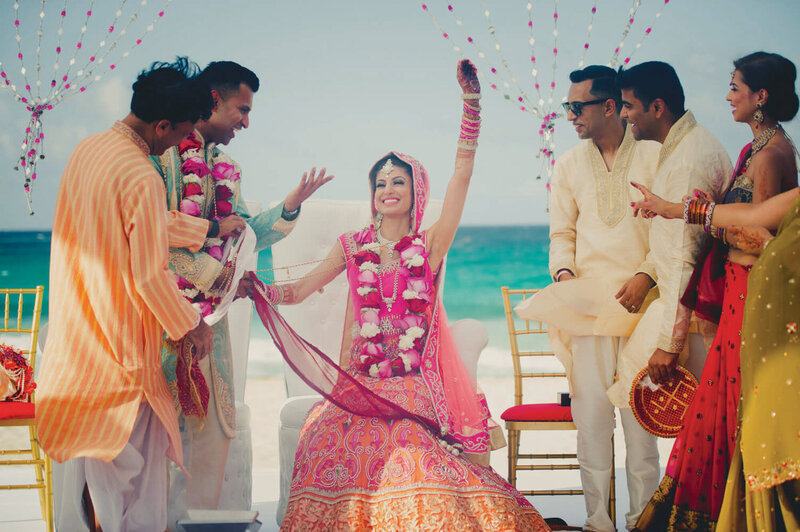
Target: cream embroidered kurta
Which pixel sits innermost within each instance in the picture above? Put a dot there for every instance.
(691, 157)
(592, 229)
(112, 296)
(202, 270)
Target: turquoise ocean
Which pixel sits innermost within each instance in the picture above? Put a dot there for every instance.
(481, 261)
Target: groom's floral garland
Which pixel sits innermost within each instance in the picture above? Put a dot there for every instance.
(373, 358)
(193, 170)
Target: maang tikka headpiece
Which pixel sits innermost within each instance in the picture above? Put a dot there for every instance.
(387, 168)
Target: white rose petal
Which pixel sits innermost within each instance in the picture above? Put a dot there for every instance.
(373, 370)
(368, 330)
(372, 246)
(416, 260)
(410, 294)
(191, 293)
(406, 362)
(415, 332)
(405, 343)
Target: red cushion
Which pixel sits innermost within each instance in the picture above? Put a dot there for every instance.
(538, 412)
(16, 410)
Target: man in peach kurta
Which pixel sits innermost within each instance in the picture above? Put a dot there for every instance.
(102, 400)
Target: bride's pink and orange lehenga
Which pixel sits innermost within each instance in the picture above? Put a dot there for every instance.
(382, 453)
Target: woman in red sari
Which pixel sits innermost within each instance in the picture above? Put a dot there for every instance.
(402, 440)
(690, 495)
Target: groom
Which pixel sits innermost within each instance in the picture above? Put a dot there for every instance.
(207, 186)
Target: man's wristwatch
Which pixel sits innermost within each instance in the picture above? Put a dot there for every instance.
(213, 231)
(290, 216)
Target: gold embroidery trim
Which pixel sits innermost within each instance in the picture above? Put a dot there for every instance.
(612, 187)
(777, 474)
(199, 269)
(670, 345)
(126, 131)
(676, 133)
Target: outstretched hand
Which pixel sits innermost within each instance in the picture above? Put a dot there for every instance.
(651, 205)
(309, 184)
(468, 77)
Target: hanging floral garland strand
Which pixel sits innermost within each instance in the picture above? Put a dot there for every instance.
(32, 146)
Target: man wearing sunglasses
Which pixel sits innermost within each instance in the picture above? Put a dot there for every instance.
(595, 238)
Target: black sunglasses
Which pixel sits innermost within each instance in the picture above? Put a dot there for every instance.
(577, 107)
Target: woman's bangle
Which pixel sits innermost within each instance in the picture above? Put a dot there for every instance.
(471, 96)
(709, 214)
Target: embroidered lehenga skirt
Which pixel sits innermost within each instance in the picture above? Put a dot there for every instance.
(690, 494)
(364, 473)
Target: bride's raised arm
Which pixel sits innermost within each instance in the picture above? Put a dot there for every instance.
(325, 272)
(441, 234)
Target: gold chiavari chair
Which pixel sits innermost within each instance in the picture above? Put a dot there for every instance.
(536, 416)
(22, 414)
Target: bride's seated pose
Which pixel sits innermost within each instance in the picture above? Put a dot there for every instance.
(402, 439)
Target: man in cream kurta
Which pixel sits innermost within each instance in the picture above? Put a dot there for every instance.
(593, 236)
(206, 442)
(690, 158)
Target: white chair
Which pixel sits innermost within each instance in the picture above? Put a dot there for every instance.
(320, 319)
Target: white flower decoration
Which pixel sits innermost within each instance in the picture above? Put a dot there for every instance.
(369, 330)
(416, 260)
(197, 198)
(213, 242)
(193, 152)
(415, 332)
(418, 241)
(364, 290)
(406, 362)
(368, 266)
(373, 371)
(191, 178)
(372, 246)
(410, 294)
(405, 342)
(191, 293)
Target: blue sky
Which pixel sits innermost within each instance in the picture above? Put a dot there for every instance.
(344, 82)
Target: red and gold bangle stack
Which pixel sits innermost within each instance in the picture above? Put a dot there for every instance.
(470, 123)
(697, 211)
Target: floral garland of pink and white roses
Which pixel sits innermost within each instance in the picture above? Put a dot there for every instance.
(193, 170)
(373, 358)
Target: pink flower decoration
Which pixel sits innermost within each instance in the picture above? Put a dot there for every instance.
(224, 208)
(205, 308)
(189, 207)
(408, 321)
(364, 236)
(224, 171)
(183, 283)
(195, 165)
(370, 316)
(372, 349)
(216, 252)
(412, 251)
(414, 357)
(367, 277)
(385, 369)
(419, 285)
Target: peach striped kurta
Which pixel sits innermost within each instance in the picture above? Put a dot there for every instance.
(111, 297)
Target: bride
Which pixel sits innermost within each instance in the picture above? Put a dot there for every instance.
(403, 437)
